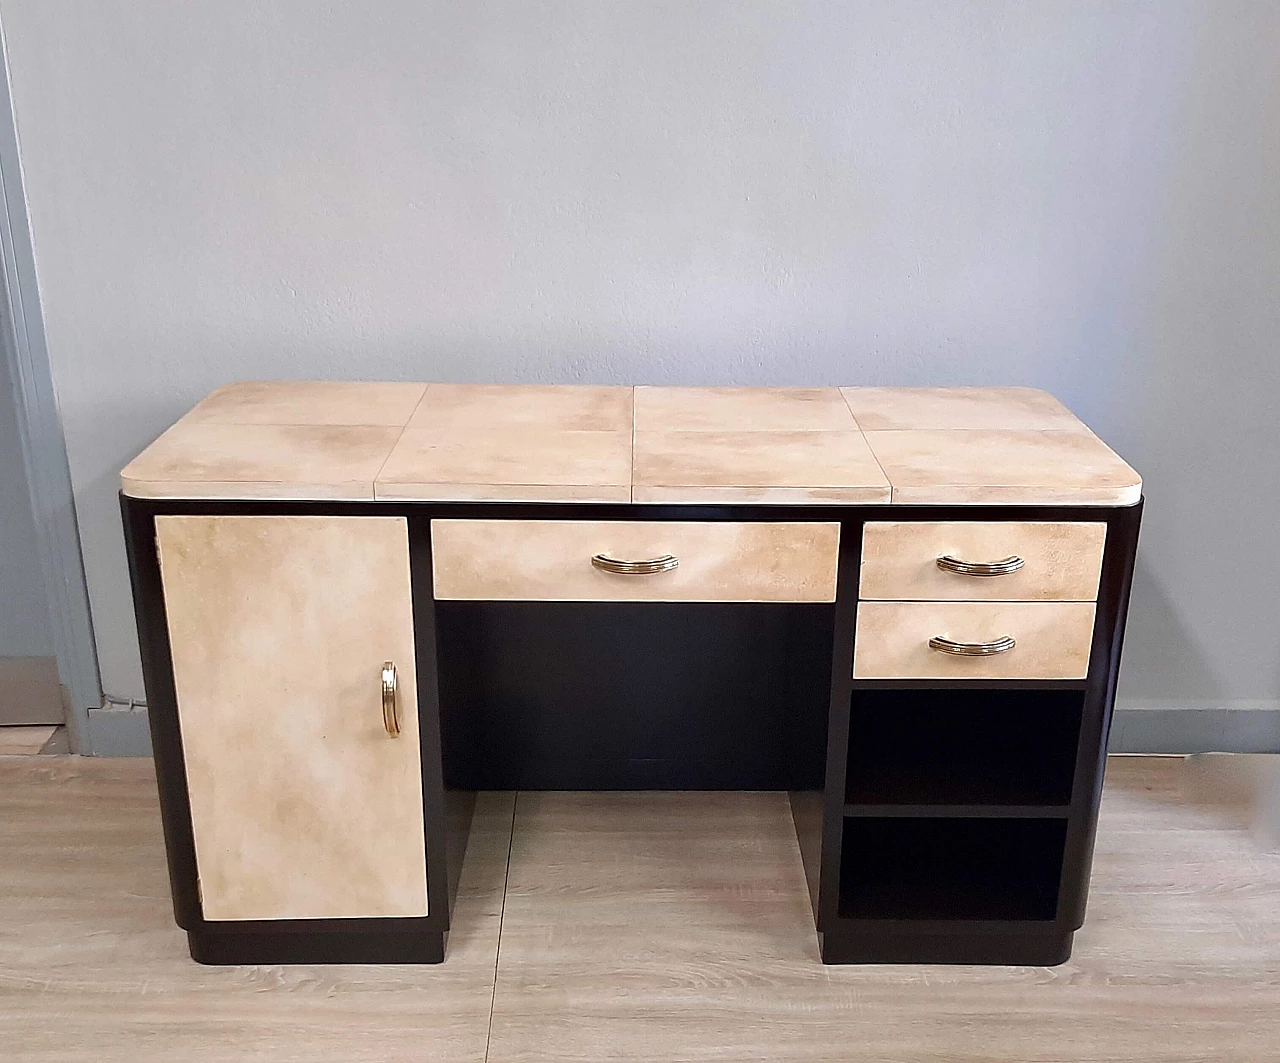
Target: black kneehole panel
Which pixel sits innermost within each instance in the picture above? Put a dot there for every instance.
(635, 695)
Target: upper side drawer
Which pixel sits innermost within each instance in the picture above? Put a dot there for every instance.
(551, 560)
(1062, 561)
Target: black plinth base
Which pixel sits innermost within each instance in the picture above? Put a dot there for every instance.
(904, 946)
(266, 947)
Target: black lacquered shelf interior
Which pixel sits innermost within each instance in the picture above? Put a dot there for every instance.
(940, 869)
(963, 746)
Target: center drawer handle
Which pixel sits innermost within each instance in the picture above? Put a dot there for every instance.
(972, 649)
(981, 568)
(665, 563)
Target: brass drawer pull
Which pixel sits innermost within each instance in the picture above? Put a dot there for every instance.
(665, 563)
(981, 568)
(972, 649)
(390, 699)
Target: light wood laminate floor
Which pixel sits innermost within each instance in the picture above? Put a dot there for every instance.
(24, 740)
(651, 926)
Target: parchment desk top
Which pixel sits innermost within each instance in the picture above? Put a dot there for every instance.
(703, 445)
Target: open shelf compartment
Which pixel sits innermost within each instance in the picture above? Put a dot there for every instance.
(939, 869)
(962, 746)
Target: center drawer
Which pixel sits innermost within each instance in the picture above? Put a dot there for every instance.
(552, 560)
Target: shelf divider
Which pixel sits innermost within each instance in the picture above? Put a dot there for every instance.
(934, 811)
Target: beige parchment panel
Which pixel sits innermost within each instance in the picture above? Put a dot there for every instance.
(1005, 466)
(759, 459)
(302, 806)
(550, 560)
(464, 492)
(568, 407)
(1053, 639)
(1062, 561)
(764, 496)
(729, 409)
(880, 409)
(427, 462)
(317, 402)
(194, 460)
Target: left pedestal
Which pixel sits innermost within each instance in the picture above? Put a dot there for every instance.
(282, 683)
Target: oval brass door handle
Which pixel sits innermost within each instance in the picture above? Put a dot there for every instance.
(664, 563)
(390, 699)
(981, 568)
(972, 649)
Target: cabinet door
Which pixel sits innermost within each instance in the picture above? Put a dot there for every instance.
(303, 805)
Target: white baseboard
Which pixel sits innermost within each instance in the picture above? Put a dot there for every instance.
(1196, 726)
(119, 729)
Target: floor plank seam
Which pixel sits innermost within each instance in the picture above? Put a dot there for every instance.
(502, 915)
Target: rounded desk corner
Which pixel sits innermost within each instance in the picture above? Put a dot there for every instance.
(133, 488)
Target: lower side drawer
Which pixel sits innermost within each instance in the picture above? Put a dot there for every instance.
(1051, 640)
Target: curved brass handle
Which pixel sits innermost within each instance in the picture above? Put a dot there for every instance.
(664, 563)
(390, 699)
(981, 568)
(972, 649)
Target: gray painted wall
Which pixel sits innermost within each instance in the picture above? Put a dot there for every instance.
(1083, 196)
(24, 610)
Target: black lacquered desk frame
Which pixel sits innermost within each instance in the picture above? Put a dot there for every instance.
(938, 821)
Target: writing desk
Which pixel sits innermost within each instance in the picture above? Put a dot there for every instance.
(358, 603)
